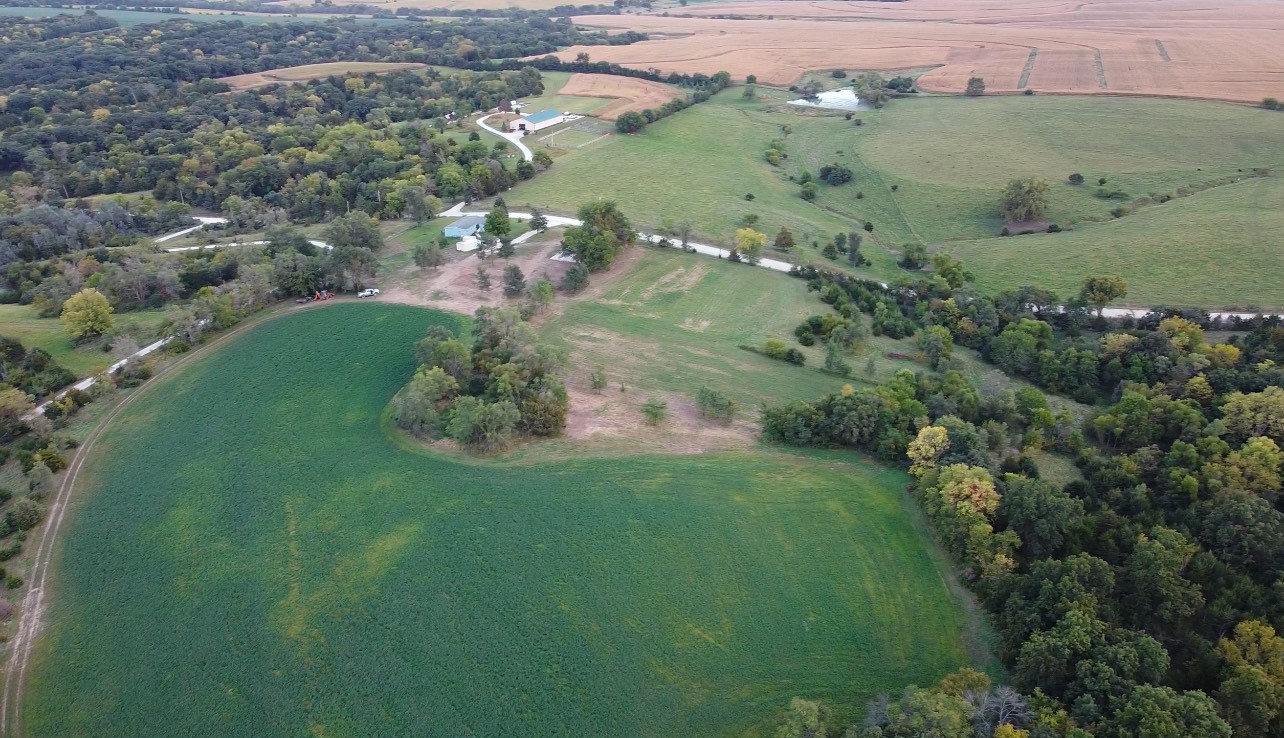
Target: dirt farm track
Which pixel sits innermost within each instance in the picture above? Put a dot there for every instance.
(1213, 49)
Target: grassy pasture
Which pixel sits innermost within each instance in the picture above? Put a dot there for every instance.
(697, 165)
(22, 323)
(674, 323)
(948, 159)
(1218, 248)
(277, 565)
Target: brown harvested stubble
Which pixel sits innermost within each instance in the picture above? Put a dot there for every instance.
(1222, 50)
(627, 92)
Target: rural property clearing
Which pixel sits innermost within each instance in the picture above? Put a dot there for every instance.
(311, 71)
(628, 94)
(1185, 48)
(280, 565)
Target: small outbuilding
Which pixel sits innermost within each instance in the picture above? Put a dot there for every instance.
(468, 225)
(538, 121)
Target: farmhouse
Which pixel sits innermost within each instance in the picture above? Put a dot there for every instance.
(538, 121)
(465, 226)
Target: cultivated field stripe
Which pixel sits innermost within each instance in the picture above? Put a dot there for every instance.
(1029, 67)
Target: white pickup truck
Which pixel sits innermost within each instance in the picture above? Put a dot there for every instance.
(372, 292)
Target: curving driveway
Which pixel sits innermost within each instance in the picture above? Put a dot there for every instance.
(513, 138)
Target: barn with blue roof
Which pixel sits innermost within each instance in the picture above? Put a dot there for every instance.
(538, 121)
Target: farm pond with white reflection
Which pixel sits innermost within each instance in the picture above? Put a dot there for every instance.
(842, 99)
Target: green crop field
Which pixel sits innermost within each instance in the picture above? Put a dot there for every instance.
(948, 158)
(281, 565)
(22, 323)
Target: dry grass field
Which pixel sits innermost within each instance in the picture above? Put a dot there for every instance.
(625, 93)
(1219, 50)
(311, 71)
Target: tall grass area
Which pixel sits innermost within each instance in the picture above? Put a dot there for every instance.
(253, 555)
(22, 323)
(930, 171)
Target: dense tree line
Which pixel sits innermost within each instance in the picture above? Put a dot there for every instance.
(147, 58)
(1057, 344)
(336, 8)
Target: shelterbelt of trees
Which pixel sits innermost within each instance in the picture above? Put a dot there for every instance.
(1144, 599)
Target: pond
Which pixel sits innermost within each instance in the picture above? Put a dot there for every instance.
(843, 99)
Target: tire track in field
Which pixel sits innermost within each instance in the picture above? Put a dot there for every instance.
(33, 604)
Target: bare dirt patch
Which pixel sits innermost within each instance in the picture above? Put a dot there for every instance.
(453, 286)
(307, 72)
(1220, 50)
(612, 417)
(629, 94)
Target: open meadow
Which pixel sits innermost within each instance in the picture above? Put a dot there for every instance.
(930, 170)
(1183, 48)
(277, 564)
(22, 323)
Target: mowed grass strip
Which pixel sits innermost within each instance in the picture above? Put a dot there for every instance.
(253, 556)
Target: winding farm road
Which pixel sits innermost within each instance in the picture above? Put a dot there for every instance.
(555, 221)
(513, 138)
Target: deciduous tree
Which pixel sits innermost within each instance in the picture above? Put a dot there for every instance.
(87, 314)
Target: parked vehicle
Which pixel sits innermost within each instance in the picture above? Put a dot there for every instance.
(372, 292)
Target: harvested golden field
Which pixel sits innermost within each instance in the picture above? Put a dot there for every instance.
(452, 4)
(311, 71)
(1220, 50)
(626, 92)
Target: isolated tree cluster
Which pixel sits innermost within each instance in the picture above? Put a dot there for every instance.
(483, 395)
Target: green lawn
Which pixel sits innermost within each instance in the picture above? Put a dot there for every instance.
(279, 565)
(21, 322)
(948, 158)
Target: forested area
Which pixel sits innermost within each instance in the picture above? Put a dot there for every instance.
(1142, 599)
(343, 8)
(135, 110)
